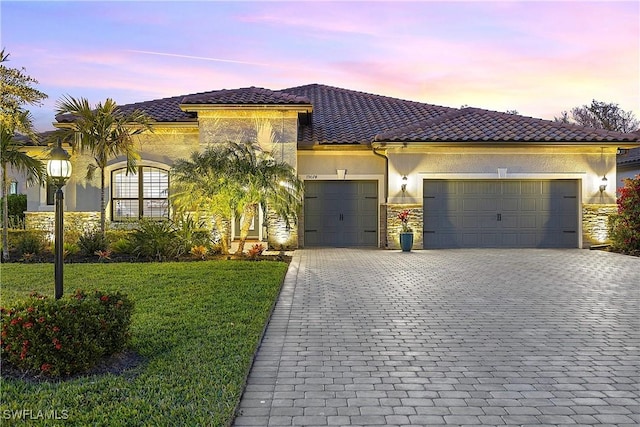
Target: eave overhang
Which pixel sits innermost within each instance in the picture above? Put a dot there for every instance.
(194, 108)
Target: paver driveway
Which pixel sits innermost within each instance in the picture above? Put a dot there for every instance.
(451, 337)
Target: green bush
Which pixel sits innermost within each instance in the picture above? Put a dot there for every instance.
(122, 246)
(190, 233)
(156, 240)
(624, 228)
(115, 235)
(91, 242)
(17, 235)
(30, 243)
(17, 205)
(70, 249)
(67, 336)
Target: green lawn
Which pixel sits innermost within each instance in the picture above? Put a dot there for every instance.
(197, 324)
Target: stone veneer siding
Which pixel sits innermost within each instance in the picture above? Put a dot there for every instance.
(73, 221)
(281, 235)
(595, 223)
(394, 225)
(383, 227)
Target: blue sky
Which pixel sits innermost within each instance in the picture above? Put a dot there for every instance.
(536, 57)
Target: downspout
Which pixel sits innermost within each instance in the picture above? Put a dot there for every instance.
(386, 174)
(386, 186)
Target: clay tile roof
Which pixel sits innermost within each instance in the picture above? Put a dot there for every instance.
(43, 138)
(168, 109)
(630, 158)
(245, 96)
(160, 110)
(478, 125)
(342, 116)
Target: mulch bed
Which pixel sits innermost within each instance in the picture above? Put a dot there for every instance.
(47, 257)
(118, 364)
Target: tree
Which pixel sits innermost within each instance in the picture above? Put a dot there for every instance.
(201, 185)
(264, 181)
(601, 115)
(234, 179)
(104, 132)
(16, 92)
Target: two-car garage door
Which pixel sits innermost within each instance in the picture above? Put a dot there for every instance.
(500, 213)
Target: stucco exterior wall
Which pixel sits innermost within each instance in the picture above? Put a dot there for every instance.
(275, 131)
(356, 162)
(588, 164)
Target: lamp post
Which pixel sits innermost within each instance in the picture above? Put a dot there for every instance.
(59, 170)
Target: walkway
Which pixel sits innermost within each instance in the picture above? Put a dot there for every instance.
(451, 337)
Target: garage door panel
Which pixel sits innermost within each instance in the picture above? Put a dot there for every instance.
(488, 240)
(500, 213)
(528, 205)
(509, 204)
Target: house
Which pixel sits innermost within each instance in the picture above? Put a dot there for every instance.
(628, 164)
(469, 177)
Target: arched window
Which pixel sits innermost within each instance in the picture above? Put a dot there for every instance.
(141, 194)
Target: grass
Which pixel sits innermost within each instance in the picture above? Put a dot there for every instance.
(197, 325)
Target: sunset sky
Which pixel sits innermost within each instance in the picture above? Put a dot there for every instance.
(538, 58)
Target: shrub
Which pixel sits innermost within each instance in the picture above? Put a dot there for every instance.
(190, 233)
(199, 252)
(70, 249)
(155, 239)
(624, 228)
(92, 241)
(66, 336)
(115, 235)
(121, 246)
(103, 255)
(30, 243)
(17, 205)
(256, 250)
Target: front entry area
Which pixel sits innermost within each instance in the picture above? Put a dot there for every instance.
(341, 213)
(500, 214)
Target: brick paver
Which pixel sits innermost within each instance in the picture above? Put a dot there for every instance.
(450, 337)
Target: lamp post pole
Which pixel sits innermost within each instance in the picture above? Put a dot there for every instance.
(59, 241)
(59, 170)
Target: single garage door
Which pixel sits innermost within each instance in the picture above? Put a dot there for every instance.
(341, 213)
(500, 214)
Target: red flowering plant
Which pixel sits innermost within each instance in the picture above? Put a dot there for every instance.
(624, 228)
(404, 221)
(63, 337)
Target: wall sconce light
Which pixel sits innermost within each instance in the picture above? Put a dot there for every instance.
(403, 187)
(603, 184)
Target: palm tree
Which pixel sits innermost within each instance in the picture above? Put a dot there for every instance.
(105, 132)
(264, 182)
(13, 156)
(234, 179)
(200, 185)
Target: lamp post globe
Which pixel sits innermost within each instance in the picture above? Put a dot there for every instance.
(59, 171)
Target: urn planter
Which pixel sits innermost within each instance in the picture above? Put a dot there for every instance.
(406, 241)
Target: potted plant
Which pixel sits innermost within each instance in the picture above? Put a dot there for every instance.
(406, 234)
